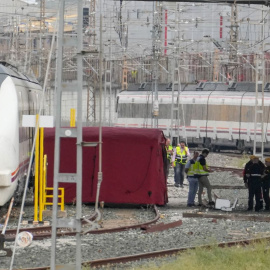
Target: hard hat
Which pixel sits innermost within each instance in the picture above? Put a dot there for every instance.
(267, 159)
(251, 157)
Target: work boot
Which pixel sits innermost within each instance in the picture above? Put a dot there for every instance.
(211, 203)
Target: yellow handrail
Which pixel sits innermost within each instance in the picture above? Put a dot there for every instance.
(36, 172)
(41, 180)
(61, 196)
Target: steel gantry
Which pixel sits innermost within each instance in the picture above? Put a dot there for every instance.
(60, 132)
(156, 41)
(247, 2)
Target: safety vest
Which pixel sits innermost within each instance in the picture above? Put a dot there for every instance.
(191, 169)
(168, 153)
(181, 157)
(199, 171)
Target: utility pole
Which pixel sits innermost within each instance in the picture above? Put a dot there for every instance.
(92, 23)
(259, 101)
(176, 85)
(92, 78)
(124, 74)
(62, 132)
(156, 41)
(232, 66)
(14, 34)
(42, 56)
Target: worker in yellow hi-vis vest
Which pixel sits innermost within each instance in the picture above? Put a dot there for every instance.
(179, 159)
(202, 171)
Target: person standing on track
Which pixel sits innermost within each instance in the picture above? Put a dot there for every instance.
(245, 177)
(192, 179)
(254, 174)
(179, 159)
(202, 171)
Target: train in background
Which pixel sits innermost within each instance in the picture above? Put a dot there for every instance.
(212, 114)
(19, 95)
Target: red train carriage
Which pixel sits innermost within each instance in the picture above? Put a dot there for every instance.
(132, 165)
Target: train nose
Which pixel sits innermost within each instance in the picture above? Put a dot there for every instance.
(9, 161)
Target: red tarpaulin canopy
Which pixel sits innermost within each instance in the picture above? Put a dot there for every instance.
(132, 165)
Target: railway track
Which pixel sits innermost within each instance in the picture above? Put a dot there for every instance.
(156, 254)
(236, 171)
(113, 261)
(43, 232)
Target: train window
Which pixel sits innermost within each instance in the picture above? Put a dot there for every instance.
(201, 85)
(267, 87)
(142, 86)
(20, 105)
(2, 78)
(232, 86)
(174, 141)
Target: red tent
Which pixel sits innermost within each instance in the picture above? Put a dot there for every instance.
(132, 165)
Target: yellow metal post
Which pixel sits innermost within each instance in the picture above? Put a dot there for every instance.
(62, 196)
(44, 182)
(36, 171)
(72, 117)
(41, 173)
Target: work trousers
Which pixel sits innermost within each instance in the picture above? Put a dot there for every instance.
(193, 188)
(254, 189)
(204, 182)
(168, 164)
(179, 173)
(265, 189)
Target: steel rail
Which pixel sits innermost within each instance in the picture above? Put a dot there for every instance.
(236, 171)
(155, 254)
(40, 233)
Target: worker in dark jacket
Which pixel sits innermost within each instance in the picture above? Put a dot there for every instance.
(248, 164)
(266, 184)
(254, 174)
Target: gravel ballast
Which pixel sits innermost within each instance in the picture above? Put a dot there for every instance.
(193, 232)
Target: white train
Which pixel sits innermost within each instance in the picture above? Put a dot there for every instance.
(19, 95)
(214, 115)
